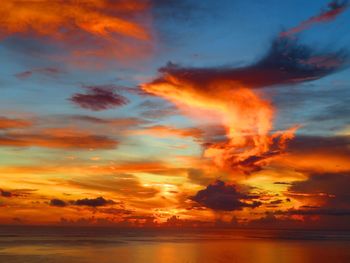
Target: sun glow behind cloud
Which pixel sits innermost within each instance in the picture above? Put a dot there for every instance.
(194, 145)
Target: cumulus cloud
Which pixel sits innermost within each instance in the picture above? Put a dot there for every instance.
(220, 196)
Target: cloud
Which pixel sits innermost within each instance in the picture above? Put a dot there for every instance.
(58, 202)
(227, 95)
(57, 138)
(47, 71)
(99, 98)
(4, 193)
(328, 190)
(111, 28)
(125, 185)
(317, 154)
(337, 144)
(200, 176)
(220, 196)
(334, 9)
(286, 62)
(270, 221)
(282, 183)
(117, 122)
(7, 123)
(315, 212)
(115, 211)
(93, 202)
(156, 110)
(168, 131)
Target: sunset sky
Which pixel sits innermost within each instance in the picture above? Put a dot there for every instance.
(159, 113)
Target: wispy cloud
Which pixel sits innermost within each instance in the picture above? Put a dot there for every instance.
(334, 9)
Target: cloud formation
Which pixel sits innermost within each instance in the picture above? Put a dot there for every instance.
(99, 98)
(228, 95)
(286, 62)
(220, 196)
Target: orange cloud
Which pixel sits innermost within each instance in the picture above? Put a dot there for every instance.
(7, 123)
(87, 26)
(168, 131)
(246, 117)
(58, 138)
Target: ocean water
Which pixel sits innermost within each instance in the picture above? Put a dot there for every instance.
(100, 245)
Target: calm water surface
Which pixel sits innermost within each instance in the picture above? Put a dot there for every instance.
(89, 245)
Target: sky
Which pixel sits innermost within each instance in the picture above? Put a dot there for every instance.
(163, 113)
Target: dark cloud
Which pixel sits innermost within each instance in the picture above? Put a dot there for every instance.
(115, 211)
(315, 212)
(224, 197)
(335, 144)
(93, 202)
(99, 98)
(331, 190)
(57, 202)
(276, 202)
(47, 71)
(272, 221)
(4, 193)
(334, 9)
(286, 62)
(310, 154)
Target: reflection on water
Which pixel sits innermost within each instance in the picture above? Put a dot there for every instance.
(87, 245)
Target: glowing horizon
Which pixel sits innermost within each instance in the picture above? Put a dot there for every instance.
(162, 114)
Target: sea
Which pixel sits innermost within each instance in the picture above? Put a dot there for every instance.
(29, 244)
